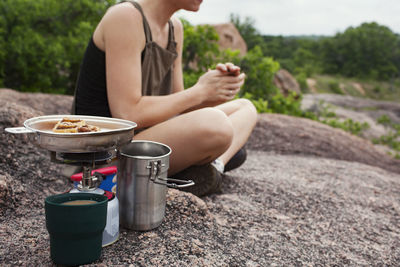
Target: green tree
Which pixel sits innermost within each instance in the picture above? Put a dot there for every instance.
(43, 41)
(298, 55)
(367, 51)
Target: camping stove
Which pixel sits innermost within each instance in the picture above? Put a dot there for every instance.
(89, 182)
(88, 161)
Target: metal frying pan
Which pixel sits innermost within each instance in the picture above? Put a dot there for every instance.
(113, 133)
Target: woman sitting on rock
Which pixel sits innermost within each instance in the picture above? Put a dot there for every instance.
(132, 70)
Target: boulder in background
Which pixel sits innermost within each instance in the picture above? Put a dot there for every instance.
(286, 82)
(229, 37)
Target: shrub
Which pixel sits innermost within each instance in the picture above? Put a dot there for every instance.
(260, 104)
(335, 88)
(392, 139)
(302, 80)
(348, 125)
(384, 119)
(377, 89)
(260, 72)
(42, 42)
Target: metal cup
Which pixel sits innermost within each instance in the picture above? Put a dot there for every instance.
(142, 184)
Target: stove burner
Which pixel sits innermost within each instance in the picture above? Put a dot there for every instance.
(87, 161)
(102, 157)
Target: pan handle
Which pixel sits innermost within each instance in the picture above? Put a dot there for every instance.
(18, 130)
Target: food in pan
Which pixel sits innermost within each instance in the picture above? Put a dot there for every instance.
(68, 125)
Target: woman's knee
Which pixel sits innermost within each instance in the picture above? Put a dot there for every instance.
(215, 128)
(248, 107)
(247, 104)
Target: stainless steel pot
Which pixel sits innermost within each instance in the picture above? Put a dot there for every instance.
(142, 184)
(113, 133)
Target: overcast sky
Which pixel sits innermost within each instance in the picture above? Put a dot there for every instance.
(299, 17)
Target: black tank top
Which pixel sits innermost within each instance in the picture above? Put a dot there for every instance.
(157, 66)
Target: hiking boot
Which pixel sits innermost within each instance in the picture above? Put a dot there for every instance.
(237, 160)
(206, 178)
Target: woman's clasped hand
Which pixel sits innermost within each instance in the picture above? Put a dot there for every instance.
(220, 84)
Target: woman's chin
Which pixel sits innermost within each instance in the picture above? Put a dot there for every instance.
(195, 7)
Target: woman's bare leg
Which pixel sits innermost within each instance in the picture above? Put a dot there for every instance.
(200, 136)
(243, 116)
(196, 138)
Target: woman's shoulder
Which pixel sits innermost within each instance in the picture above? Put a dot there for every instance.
(123, 11)
(122, 17)
(121, 22)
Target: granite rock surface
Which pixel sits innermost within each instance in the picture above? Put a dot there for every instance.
(286, 206)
